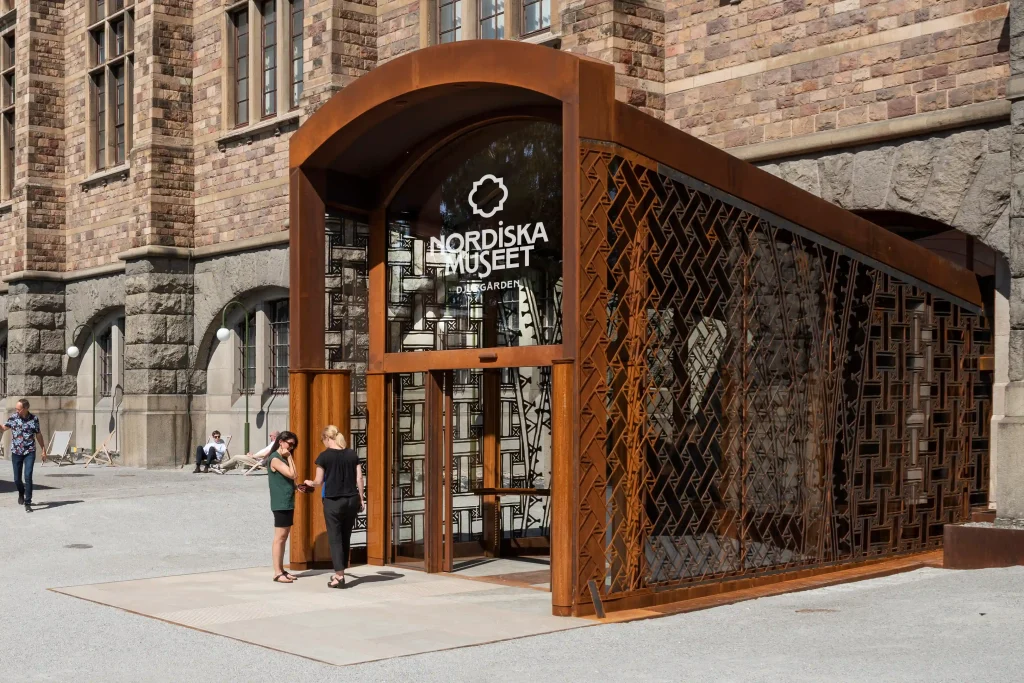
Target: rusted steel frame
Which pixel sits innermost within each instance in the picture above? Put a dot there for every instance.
(667, 145)
(433, 470)
(306, 257)
(563, 519)
(300, 550)
(591, 376)
(461, 359)
(448, 378)
(433, 74)
(378, 470)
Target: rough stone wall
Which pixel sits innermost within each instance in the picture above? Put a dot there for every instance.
(241, 186)
(739, 74)
(219, 280)
(86, 301)
(399, 27)
(340, 46)
(162, 150)
(35, 340)
(629, 35)
(99, 218)
(961, 179)
(43, 23)
(158, 307)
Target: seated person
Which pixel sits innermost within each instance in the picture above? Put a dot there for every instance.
(247, 460)
(214, 450)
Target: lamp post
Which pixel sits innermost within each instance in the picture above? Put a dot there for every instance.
(224, 334)
(73, 352)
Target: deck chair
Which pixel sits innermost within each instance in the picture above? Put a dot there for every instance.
(59, 449)
(102, 452)
(255, 468)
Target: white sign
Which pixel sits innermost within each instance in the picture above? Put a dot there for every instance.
(485, 251)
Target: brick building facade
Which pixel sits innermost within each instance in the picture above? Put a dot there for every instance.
(143, 162)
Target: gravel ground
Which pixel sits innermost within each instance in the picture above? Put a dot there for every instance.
(928, 625)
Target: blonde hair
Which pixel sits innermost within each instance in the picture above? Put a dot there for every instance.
(331, 432)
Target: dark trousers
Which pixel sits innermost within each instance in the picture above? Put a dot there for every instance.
(210, 456)
(26, 463)
(340, 514)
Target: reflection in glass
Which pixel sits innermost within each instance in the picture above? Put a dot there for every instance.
(475, 243)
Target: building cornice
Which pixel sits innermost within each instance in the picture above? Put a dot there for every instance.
(210, 251)
(877, 131)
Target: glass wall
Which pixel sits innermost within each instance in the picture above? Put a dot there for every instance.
(475, 243)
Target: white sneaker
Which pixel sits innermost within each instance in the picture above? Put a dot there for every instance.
(217, 469)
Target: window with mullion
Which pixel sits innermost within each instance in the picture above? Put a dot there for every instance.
(3, 368)
(492, 19)
(247, 356)
(279, 331)
(240, 23)
(449, 24)
(105, 348)
(120, 112)
(7, 103)
(110, 82)
(268, 20)
(99, 93)
(536, 16)
(296, 52)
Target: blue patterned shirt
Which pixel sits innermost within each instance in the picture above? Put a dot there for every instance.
(23, 431)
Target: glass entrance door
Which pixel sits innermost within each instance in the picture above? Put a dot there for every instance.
(471, 465)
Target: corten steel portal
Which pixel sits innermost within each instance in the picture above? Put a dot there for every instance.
(749, 381)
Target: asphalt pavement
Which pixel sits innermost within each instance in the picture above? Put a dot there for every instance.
(112, 524)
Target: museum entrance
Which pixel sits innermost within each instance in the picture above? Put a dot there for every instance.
(470, 456)
(473, 283)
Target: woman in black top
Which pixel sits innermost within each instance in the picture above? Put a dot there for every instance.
(338, 471)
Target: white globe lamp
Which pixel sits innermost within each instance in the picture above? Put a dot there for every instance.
(223, 334)
(73, 351)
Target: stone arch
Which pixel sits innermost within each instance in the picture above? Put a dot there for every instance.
(100, 319)
(86, 301)
(958, 178)
(219, 280)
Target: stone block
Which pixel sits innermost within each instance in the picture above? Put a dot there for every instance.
(155, 356)
(912, 170)
(836, 175)
(146, 328)
(23, 340)
(956, 165)
(871, 172)
(803, 173)
(987, 197)
(178, 328)
(60, 385)
(52, 341)
(1010, 483)
(154, 303)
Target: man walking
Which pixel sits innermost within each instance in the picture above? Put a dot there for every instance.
(211, 452)
(24, 427)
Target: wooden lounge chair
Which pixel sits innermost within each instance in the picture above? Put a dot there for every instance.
(102, 452)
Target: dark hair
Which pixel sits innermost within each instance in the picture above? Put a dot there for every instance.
(286, 436)
(24, 403)
(215, 432)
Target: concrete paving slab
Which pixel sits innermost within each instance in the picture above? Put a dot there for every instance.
(387, 612)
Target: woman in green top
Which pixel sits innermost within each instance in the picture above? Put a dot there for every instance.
(281, 476)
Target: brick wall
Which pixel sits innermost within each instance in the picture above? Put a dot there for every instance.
(771, 69)
(629, 35)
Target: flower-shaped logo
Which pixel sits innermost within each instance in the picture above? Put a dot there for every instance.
(500, 189)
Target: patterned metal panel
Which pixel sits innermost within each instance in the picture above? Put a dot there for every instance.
(347, 338)
(754, 399)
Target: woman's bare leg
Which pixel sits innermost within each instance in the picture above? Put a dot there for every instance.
(280, 538)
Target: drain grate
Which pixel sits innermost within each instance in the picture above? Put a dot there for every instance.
(79, 546)
(816, 611)
(69, 475)
(124, 475)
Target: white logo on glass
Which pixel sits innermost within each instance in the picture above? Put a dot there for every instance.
(501, 202)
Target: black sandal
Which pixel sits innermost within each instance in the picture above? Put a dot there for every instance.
(336, 583)
(291, 576)
(277, 579)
